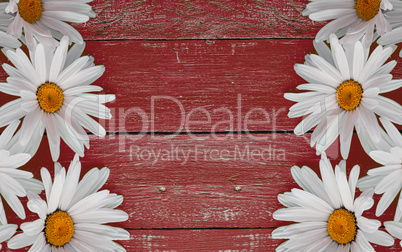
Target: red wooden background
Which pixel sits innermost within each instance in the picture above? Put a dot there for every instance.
(214, 62)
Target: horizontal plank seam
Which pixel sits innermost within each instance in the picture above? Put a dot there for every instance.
(206, 228)
(211, 228)
(195, 39)
(196, 132)
(205, 132)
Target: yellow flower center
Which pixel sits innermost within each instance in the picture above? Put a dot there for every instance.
(367, 9)
(30, 10)
(59, 228)
(342, 226)
(50, 97)
(349, 95)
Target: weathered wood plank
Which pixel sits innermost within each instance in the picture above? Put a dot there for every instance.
(237, 189)
(222, 240)
(178, 19)
(167, 86)
(227, 240)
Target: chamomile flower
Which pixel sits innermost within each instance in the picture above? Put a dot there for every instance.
(328, 215)
(44, 20)
(74, 214)
(6, 231)
(54, 93)
(6, 40)
(394, 17)
(344, 93)
(387, 179)
(352, 19)
(14, 182)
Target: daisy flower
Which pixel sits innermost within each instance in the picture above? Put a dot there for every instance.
(394, 17)
(6, 231)
(44, 20)
(73, 216)
(6, 40)
(328, 215)
(352, 19)
(344, 87)
(14, 182)
(54, 93)
(387, 179)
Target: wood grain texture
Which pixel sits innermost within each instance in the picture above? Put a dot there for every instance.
(205, 57)
(242, 240)
(161, 84)
(184, 19)
(203, 240)
(235, 190)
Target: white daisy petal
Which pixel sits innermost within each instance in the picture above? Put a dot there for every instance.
(33, 228)
(15, 204)
(111, 232)
(83, 77)
(14, 183)
(380, 238)
(8, 89)
(339, 56)
(58, 61)
(75, 53)
(368, 119)
(368, 225)
(394, 228)
(347, 132)
(314, 202)
(358, 60)
(80, 225)
(344, 190)
(67, 16)
(299, 214)
(40, 63)
(49, 21)
(384, 157)
(377, 59)
(72, 68)
(334, 25)
(330, 14)
(315, 75)
(6, 231)
(362, 242)
(353, 178)
(56, 191)
(64, 28)
(7, 134)
(81, 246)
(39, 244)
(362, 204)
(39, 207)
(386, 200)
(344, 93)
(22, 83)
(20, 241)
(387, 68)
(53, 135)
(54, 88)
(337, 226)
